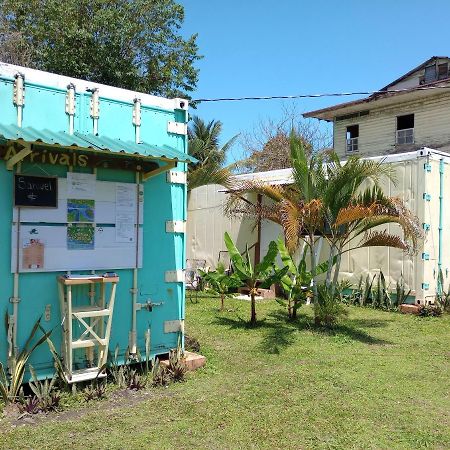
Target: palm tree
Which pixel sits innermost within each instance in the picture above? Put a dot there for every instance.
(341, 202)
(204, 145)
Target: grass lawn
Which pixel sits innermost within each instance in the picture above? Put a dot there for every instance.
(380, 380)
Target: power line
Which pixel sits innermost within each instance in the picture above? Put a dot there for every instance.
(329, 94)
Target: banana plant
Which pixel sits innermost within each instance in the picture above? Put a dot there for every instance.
(251, 275)
(221, 282)
(296, 281)
(11, 381)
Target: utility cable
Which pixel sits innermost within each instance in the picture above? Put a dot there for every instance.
(329, 94)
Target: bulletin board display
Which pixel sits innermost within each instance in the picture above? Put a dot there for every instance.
(93, 227)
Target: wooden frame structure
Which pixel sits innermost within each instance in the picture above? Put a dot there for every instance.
(91, 318)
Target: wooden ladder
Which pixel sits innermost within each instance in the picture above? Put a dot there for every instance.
(91, 317)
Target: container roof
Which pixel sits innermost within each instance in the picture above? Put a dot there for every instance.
(93, 143)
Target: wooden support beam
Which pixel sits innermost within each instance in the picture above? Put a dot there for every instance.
(26, 150)
(160, 169)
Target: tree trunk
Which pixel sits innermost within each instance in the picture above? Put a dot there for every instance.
(313, 267)
(222, 303)
(289, 307)
(337, 268)
(253, 306)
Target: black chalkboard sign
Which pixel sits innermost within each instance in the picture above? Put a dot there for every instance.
(32, 191)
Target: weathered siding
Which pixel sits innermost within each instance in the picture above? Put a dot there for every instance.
(377, 130)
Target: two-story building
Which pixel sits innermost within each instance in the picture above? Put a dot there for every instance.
(409, 113)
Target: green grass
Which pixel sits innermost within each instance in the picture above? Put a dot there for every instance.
(379, 380)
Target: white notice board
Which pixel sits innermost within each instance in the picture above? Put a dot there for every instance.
(93, 228)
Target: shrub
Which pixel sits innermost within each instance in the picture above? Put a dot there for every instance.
(328, 309)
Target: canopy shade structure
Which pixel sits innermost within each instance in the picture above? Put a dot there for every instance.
(90, 143)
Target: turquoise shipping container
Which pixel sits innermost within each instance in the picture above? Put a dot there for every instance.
(93, 203)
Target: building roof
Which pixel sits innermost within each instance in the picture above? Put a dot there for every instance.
(386, 96)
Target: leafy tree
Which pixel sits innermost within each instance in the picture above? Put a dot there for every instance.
(204, 145)
(267, 147)
(221, 282)
(130, 44)
(331, 200)
(251, 275)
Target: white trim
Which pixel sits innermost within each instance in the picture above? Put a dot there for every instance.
(175, 226)
(174, 276)
(174, 326)
(176, 177)
(177, 128)
(61, 82)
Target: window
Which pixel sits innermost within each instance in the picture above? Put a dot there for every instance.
(352, 138)
(405, 129)
(430, 74)
(442, 71)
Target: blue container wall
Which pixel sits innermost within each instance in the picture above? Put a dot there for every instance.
(45, 109)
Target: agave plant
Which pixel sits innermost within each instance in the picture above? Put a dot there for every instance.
(44, 391)
(11, 380)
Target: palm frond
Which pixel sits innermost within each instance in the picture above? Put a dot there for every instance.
(383, 239)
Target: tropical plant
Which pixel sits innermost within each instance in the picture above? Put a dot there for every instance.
(11, 380)
(341, 202)
(45, 392)
(251, 275)
(401, 293)
(95, 391)
(177, 366)
(57, 362)
(443, 297)
(328, 309)
(220, 282)
(381, 297)
(296, 281)
(160, 376)
(204, 145)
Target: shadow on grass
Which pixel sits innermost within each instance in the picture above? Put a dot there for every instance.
(279, 330)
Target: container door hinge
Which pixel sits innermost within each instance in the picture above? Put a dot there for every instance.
(174, 326)
(426, 226)
(174, 276)
(176, 177)
(177, 128)
(427, 167)
(427, 197)
(425, 256)
(175, 226)
(14, 299)
(137, 119)
(425, 286)
(19, 90)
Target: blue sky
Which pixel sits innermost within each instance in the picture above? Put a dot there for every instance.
(262, 48)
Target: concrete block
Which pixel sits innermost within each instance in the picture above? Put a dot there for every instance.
(409, 309)
(192, 361)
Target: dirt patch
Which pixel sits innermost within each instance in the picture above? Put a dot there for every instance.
(12, 417)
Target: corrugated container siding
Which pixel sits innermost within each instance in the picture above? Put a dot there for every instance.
(207, 225)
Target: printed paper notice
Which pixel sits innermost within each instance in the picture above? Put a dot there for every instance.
(125, 198)
(80, 237)
(33, 254)
(81, 185)
(125, 229)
